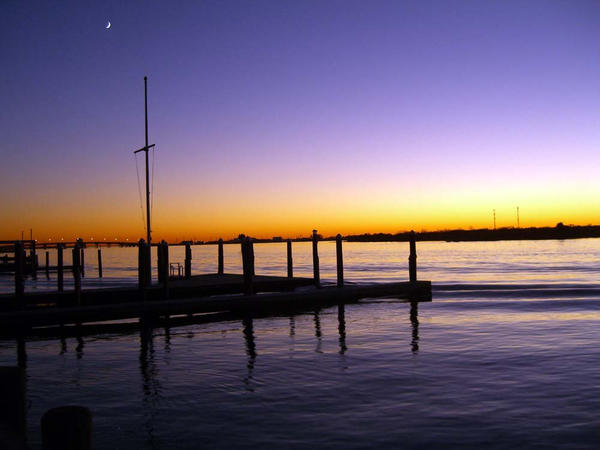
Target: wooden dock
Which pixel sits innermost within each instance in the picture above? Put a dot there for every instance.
(184, 294)
(257, 303)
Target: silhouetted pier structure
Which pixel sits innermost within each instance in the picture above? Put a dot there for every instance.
(178, 292)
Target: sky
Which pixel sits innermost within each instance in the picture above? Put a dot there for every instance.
(273, 118)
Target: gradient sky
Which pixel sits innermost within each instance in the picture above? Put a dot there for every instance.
(277, 117)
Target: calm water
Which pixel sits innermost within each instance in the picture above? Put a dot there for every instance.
(504, 357)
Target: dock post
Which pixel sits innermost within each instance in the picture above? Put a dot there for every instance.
(340, 261)
(99, 263)
(412, 258)
(220, 265)
(142, 264)
(19, 266)
(33, 257)
(47, 264)
(188, 260)
(159, 262)
(248, 265)
(290, 265)
(67, 427)
(315, 251)
(81, 257)
(163, 251)
(12, 392)
(77, 273)
(59, 267)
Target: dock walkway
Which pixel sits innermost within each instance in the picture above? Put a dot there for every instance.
(257, 303)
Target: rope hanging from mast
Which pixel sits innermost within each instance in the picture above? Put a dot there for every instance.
(137, 171)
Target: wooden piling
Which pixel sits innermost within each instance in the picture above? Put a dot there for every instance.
(248, 264)
(141, 272)
(99, 262)
(82, 260)
(163, 249)
(47, 264)
(159, 262)
(19, 269)
(33, 259)
(59, 267)
(340, 261)
(315, 252)
(290, 265)
(188, 260)
(143, 250)
(412, 258)
(67, 428)
(13, 406)
(77, 273)
(220, 262)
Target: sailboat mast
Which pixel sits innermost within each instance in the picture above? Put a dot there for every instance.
(147, 172)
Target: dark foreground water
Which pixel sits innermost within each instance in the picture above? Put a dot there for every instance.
(506, 356)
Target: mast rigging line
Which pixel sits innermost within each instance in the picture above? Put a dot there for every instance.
(152, 182)
(137, 171)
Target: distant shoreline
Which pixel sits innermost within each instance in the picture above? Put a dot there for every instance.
(560, 231)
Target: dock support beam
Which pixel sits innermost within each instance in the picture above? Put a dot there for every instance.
(315, 252)
(19, 267)
(220, 262)
(99, 263)
(340, 261)
(59, 267)
(412, 258)
(290, 265)
(188, 260)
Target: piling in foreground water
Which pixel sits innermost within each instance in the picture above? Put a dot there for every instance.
(67, 428)
(12, 407)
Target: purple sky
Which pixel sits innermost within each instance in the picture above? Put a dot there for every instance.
(406, 111)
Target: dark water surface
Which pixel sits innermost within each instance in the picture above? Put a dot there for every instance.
(506, 356)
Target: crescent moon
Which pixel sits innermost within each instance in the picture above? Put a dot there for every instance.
(108, 25)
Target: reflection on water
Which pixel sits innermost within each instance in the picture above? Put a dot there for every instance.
(342, 328)
(21, 353)
(150, 384)
(250, 350)
(385, 373)
(504, 357)
(414, 321)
